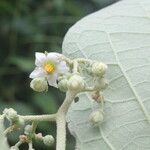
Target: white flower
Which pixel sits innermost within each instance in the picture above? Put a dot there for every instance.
(49, 65)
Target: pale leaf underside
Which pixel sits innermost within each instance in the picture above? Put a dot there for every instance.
(118, 35)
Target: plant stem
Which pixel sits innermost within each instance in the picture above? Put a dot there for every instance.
(50, 117)
(75, 66)
(9, 129)
(61, 120)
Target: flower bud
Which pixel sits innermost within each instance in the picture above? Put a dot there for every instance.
(76, 83)
(23, 138)
(48, 140)
(62, 85)
(20, 122)
(28, 129)
(101, 84)
(11, 114)
(99, 69)
(39, 136)
(39, 84)
(96, 118)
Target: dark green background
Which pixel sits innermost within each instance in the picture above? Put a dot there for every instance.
(28, 26)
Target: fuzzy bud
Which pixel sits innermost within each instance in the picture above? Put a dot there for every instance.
(101, 84)
(62, 85)
(20, 122)
(39, 84)
(48, 140)
(96, 118)
(28, 129)
(76, 83)
(39, 136)
(99, 69)
(23, 138)
(11, 114)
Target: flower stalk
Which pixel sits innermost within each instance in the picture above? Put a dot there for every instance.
(50, 68)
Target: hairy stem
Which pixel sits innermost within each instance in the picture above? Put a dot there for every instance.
(18, 144)
(61, 132)
(61, 120)
(75, 67)
(48, 117)
(9, 129)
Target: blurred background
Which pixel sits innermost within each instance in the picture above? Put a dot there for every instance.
(28, 26)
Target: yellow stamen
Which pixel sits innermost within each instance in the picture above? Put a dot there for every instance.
(49, 68)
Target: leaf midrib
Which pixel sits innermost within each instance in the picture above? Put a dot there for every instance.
(128, 79)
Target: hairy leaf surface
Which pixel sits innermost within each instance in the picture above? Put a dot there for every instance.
(118, 35)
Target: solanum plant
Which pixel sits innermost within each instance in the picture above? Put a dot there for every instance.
(54, 69)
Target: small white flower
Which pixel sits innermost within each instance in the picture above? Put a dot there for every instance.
(49, 65)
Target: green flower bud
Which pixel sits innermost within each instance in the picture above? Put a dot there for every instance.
(76, 83)
(99, 69)
(48, 140)
(28, 129)
(96, 117)
(20, 122)
(11, 114)
(62, 85)
(39, 84)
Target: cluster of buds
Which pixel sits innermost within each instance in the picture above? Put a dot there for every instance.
(74, 82)
(48, 140)
(29, 135)
(53, 69)
(13, 117)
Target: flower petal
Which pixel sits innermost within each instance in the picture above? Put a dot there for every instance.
(40, 58)
(52, 80)
(55, 57)
(62, 67)
(37, 72)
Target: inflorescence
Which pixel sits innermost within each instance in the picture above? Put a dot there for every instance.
(70, 76)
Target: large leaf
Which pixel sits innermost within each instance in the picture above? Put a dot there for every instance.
(3, 140)
(118, 35)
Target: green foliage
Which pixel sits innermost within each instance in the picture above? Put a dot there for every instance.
(28, 26)
(119, 36)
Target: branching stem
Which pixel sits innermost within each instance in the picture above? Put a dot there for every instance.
(61, 120)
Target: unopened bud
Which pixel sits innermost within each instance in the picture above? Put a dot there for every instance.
(101, 84)
(39, 84)
(96, 118)
(62, 85)
(23, 138)
(28, 129)
(11, 114)
(39, 136)
(20, 122)
(48, 140)
(99, 69)
(76, 83)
